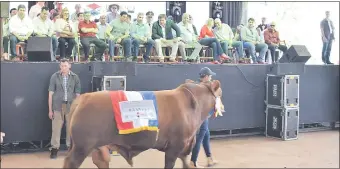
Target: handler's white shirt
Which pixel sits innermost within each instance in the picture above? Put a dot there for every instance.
(22, 27)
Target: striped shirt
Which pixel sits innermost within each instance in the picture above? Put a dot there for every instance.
(65, 80)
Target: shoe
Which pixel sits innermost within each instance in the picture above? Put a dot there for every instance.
(224, 57)
(54, 153)
(194, 165)
(211, 162)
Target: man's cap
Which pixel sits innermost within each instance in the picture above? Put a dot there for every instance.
(206, 71)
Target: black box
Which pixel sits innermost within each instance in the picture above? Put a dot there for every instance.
(286, 68)
(108, 83)
(282, 123)
(282, 90)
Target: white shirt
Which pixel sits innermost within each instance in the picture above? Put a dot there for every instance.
(101, 30)
(187, 32)
(61, 24)
(21, 27)
(34, 11)
(224, 33)
(43, 27)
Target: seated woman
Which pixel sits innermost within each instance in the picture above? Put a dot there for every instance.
(207, 38)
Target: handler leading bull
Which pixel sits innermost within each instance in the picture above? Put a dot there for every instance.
(97, 123)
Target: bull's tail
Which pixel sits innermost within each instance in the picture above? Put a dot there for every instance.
(73, 108)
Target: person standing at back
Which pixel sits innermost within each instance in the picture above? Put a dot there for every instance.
(327, 35)
(64, 87)
(203, 134)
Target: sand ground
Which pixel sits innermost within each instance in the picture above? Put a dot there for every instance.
(311, 150)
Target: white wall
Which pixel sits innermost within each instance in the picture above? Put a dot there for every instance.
(299, 23)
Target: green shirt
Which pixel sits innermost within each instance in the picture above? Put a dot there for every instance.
(119, 28)
(249, 35)
(140, 30)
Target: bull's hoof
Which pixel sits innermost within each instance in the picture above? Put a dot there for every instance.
(130, 162)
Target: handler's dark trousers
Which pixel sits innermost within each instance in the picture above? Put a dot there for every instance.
(57, 125)
(203, 136)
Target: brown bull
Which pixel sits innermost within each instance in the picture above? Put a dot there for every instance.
(181, 111)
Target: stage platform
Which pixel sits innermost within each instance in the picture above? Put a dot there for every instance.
(24, 109)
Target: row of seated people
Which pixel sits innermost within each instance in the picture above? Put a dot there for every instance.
(131, 36)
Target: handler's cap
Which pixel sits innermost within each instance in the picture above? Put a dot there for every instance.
(206, 71)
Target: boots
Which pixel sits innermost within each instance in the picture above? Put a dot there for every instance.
(54, 153)
(194, 165)
(211, 162)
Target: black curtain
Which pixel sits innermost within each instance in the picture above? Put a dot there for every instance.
(232, 12)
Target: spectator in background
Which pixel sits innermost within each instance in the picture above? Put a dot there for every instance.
(55, 17)
(74, 16)
(272, 39)
(80, 18)
(64, 87)
(327, 35)
(252, 42)
(149, 20)
(44, 27)
(64, 29)
(207, 39)
(88, 30)
(263, 24)
(20, 28)
(113, 9)
(225, 35)
(58, 9)
(36, 9)
(141, 35)
(6, 33)
(102, 26)
(118, 32)
(189, 37)
(162, 34)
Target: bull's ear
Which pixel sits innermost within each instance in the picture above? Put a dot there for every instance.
(189, 81)
(215, 85)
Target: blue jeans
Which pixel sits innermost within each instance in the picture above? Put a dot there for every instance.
(214, 44)
(326, 51)
(260, 47)
(148, 45)
(203, 136)
(235, 44)
(126, 43)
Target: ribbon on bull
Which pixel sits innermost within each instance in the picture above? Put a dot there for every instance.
(219, 108)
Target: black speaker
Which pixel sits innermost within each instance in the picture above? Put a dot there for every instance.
(216, 10)
(39, 49)
(176, 10)
(296, 53)
(4, 9)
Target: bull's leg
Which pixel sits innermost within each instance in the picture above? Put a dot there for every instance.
(184, 161)
(75, 157)
(171, 156)
(101, 157)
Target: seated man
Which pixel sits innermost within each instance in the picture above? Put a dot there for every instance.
(225, 35)
(118, 32)
(141, 35)
(88, 30)
(252, 42)
(272, 39)
(102, 26)
(162, 34)
(20, 28)
(44, 27)
(189, 37)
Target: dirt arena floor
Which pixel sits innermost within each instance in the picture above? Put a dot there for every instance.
(311, 150)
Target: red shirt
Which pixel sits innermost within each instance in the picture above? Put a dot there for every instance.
(206, 31)
(83, 24)
(271, 37)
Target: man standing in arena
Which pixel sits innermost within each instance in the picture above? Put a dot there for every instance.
(327, 35)
(203, 134)
(64, 87)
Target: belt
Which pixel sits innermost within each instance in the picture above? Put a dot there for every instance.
(65, 102)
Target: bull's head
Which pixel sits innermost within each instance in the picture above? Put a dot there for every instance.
(217, 91)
